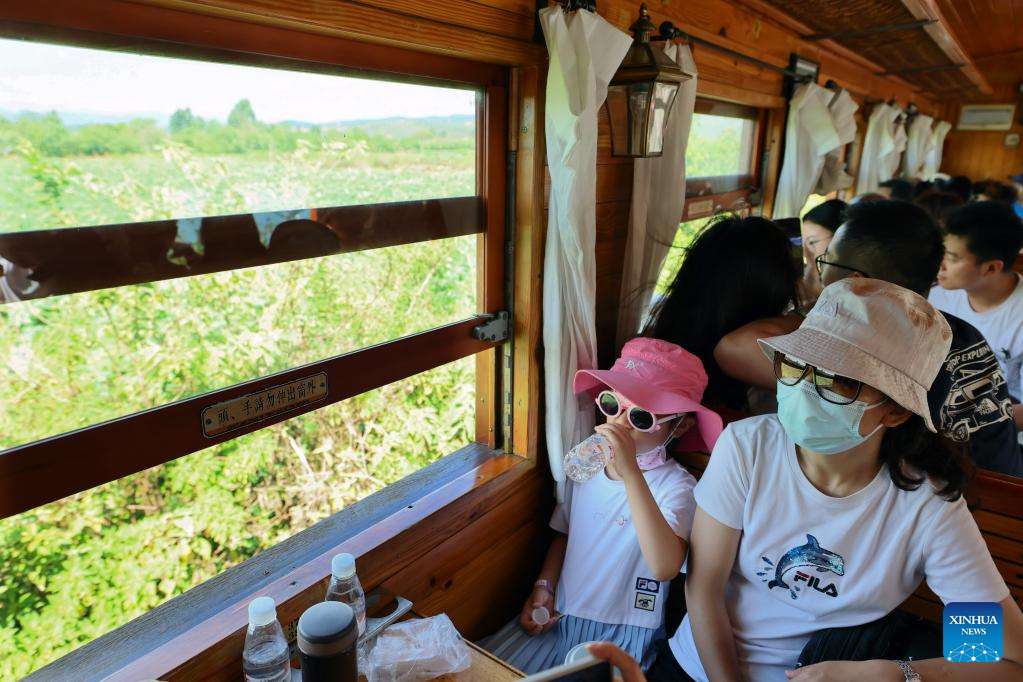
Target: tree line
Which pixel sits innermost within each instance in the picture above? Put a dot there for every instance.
(242, 133)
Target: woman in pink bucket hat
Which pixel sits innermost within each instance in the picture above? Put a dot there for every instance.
(621, 534)
(829, 514)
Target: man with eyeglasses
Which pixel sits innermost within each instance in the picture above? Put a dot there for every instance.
(898, 242)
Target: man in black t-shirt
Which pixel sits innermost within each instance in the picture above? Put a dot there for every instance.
(898, 242)
(969, 400)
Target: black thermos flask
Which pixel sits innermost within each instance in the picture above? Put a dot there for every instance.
(327, 638)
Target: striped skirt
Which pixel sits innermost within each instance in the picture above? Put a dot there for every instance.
(533, 654)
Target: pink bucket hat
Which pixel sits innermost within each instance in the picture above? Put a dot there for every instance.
(877, 332)
(662, 378)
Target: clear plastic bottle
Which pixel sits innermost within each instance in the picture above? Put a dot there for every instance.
(345, 587)
(584, 460)
(265, 657)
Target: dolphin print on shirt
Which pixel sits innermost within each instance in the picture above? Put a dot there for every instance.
(810, 554)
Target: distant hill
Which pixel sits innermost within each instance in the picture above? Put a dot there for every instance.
(75, 119)
(397, 127)
(400, 126)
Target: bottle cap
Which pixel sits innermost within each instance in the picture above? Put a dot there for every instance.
(327, 628)
(262, 610)
(541, 616)
(342, 565)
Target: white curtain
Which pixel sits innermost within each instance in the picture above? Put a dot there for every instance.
(843, 116)
(809, 135)
(585, 52)
(658, 198)
(877, 145)
(918, 145)
(932, 164)
(899, 139)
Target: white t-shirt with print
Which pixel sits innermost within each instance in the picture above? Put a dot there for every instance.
(604, 577)
(807, 562)
(1002, 329)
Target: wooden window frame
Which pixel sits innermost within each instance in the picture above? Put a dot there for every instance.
(723, 192)
(202, 630)
(53, 468)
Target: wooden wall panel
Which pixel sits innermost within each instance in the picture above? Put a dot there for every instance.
(982, 154)
(481, 576)
(501, 31)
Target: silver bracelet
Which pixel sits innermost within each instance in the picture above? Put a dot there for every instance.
(908, 671)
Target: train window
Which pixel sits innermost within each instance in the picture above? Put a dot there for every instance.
(107, 353)
(720, 173)
(720, 145)
(687, 232)
(234, 300)
(91, 137)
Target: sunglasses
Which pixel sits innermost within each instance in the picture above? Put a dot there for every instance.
(820, 261)
(834, 388)
(641, 420)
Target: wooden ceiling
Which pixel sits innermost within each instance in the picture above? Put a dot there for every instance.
(986, 28)
(938, 46)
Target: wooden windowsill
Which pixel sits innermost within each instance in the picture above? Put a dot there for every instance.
(201, 629)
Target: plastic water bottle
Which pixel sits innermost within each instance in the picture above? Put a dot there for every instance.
(584, 460)
(345, 587)
(265, 658)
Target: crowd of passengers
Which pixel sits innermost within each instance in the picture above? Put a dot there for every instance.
(879, 378)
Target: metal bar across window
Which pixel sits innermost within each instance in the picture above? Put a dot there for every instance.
(50, 469)
(65, 261)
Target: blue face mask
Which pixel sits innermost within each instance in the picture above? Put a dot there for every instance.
(818, 425)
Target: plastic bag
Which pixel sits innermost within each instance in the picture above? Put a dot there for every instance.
(416, 650)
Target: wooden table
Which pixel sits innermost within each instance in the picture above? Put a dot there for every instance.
(485, 668)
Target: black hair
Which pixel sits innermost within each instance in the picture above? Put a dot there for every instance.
(938, 204)
(995, 191)
(958, 184)
(922, 187)
(991, 230)
(914, 454)
(901, 189)
(736, 270)
(895, 241)
(1005, 193)
(829, 215)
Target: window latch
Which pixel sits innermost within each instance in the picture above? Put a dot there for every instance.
(495, 328)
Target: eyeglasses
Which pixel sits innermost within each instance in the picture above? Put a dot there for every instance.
(834, 388)
(819, 260)
(641, 420)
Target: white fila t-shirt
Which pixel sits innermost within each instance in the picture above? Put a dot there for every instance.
(1002, 329)
(604, 577)
(807, 562)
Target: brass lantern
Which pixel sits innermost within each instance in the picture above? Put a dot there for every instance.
(641, 94)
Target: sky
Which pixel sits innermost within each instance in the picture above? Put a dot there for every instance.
(40, 77)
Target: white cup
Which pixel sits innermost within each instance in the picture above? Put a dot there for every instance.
(578, 652)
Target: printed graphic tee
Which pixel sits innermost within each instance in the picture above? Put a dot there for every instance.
(604, 577)
(969, 401)
(807, 561)
(1001, 327)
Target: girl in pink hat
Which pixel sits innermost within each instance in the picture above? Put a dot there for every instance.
(621, 535)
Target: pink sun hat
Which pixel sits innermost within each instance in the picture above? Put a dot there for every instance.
(662, 378)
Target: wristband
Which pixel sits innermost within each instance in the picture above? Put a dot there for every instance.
(545, 585)
(908, 671)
